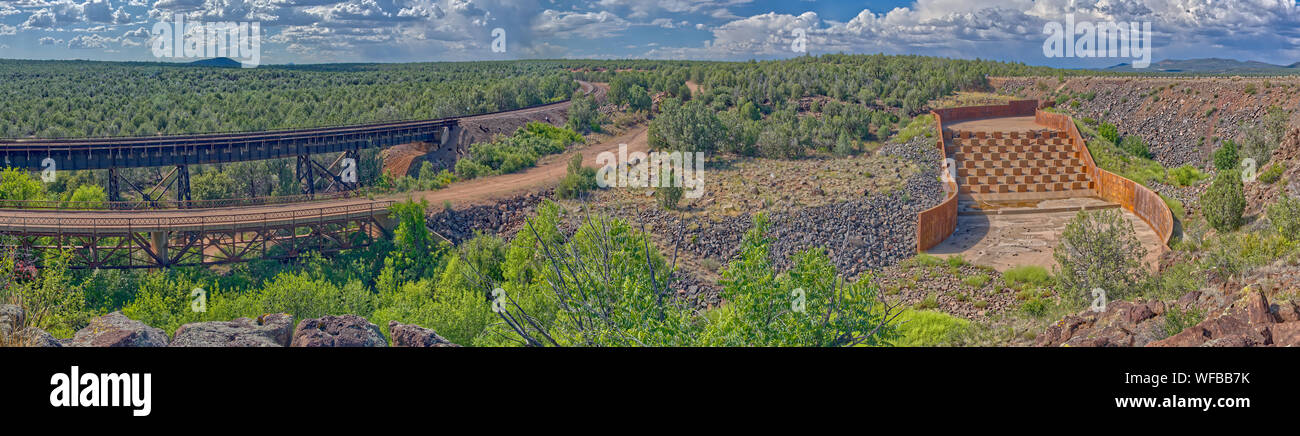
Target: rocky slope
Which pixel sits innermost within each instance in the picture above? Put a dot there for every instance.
(1172, 115)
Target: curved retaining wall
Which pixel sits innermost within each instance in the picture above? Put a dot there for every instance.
(1140, 200)
(935, 224)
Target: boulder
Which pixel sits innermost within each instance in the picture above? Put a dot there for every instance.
(411, 335)
(12, 319)
(1286, 334)
(35, 337)
(1257, 310)
(337, 331)
(116, 330)
(271, 330)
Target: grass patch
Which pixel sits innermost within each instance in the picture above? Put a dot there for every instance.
(976, 281)
(923, 260)
(927, 328)
(1175, 206)
(1026, 277)
(930, 302)
(921, 125)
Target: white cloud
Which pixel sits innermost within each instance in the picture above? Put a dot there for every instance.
(563, 25)
(91, 41)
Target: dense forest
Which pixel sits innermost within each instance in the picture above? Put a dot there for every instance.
(53, 99)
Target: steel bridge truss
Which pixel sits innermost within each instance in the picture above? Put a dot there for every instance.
(156, 248)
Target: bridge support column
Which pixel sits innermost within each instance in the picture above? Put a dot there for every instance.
(183, 186)
(114, 190)
(306, 174)
(158, 242)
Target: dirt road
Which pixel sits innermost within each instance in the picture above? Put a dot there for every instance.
(546, 174)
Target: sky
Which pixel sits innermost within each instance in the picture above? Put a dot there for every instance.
(319, 31)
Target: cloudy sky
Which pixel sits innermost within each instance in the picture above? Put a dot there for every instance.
(313, 31)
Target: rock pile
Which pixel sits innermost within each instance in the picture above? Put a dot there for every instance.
(503, 218)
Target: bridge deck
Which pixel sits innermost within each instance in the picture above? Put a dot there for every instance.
(246, 218)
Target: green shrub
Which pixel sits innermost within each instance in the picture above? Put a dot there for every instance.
(1224, 202)
(509, 154)
(1035, 307)
(1135, 146)
(1272, 174)
(577, 180)
(1098, 250)
(956, 261)
(1109, 132)
(1177, 320)
(1226, 157)
(1186, 175)
(1284, 214)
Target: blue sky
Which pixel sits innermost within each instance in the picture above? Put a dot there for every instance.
(310, 31)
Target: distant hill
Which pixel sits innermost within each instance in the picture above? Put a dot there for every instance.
(218, 63)
(1210, 66)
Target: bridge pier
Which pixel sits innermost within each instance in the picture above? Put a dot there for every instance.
(158, 242)
(183, 198)
(114, 189)
(305, 173)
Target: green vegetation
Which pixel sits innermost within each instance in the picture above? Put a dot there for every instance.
(976, 281)
(1225, 157)
(1260, 137)
(52, 99)
(1285, 217)
(1098, 250)
(1026, 277)
(416, 279)
(509, 154)
(1224, 202)
(1186, 175)
(1111, 157)
(1178, 319)
(1108, 132)
(577, 180)
(427, 180)
(927, 328)
(1272, 174)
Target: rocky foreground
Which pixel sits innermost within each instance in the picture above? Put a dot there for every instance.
(270, 330)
